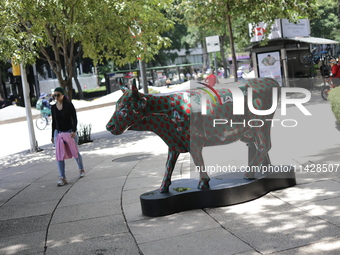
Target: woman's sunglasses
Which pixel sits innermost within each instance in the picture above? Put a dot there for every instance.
(56, 95)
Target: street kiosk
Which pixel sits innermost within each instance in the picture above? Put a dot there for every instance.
(291, 56)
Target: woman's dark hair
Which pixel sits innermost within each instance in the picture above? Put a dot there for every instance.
(66, 107)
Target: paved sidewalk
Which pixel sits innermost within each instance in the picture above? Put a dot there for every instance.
(101, 214)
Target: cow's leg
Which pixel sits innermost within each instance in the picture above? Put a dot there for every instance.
(263, 145)
(196, 154)
(169, 168)
(249, 138)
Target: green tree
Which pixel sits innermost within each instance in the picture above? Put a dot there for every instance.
(121, 31)
(219, 15)
(326, 24)
(175, 35)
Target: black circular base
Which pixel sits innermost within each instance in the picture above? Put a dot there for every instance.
(225, 189)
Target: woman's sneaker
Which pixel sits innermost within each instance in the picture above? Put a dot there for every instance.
(81, 173)
(62, 182)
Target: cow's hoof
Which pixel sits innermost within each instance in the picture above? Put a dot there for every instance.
(165, 186)
(164, 189)
(249, 176)
(204, 183)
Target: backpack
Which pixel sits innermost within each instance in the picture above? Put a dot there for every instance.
(39, 105)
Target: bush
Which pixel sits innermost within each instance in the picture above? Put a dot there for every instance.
(84, 133)
(97, 92)
(94, 90)
(153, 91)
(334, 98)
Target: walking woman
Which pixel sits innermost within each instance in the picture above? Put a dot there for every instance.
(64, 134)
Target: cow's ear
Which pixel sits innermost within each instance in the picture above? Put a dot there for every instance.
(142, 103)
(123, 88)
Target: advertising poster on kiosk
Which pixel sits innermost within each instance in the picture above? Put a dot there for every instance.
(269, 65)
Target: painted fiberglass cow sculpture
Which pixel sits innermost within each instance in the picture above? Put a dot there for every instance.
(177, 119)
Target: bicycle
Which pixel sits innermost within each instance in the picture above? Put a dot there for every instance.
(325, 91)
(310, 58)
(43, 119)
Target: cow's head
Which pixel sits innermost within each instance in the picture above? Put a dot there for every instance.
(130, 110)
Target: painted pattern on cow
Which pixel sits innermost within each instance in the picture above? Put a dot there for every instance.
(176, 118)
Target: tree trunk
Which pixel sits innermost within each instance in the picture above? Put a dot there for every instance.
(224, 58)
(75, 77)
(30, 80)
(232, 48)
(67, 82)
(20, 90)
(66, 49)
(2, 91)
(80, 91)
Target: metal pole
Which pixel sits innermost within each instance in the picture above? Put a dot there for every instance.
(143, 76)
(216, 69)
(34, 143)
(255, 64)
(285, 67)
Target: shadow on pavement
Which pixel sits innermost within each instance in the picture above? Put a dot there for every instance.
(101, 141)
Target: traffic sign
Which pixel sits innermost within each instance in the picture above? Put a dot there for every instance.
(213, 43)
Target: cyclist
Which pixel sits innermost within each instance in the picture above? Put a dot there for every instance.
(43, 105)
(335, 72)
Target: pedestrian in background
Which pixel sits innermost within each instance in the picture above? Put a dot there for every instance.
(168, 82)
(335, 72)
(211, 79)
(64, 133)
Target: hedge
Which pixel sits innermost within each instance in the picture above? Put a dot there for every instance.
(334, 98)
(90, 93)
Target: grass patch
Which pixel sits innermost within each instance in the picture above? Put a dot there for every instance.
(181, 189)
(84, 133)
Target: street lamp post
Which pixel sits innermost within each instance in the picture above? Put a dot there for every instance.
(33, 141)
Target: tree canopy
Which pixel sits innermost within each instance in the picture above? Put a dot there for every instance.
(218, 15)
(121, 31)
(326, 24)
